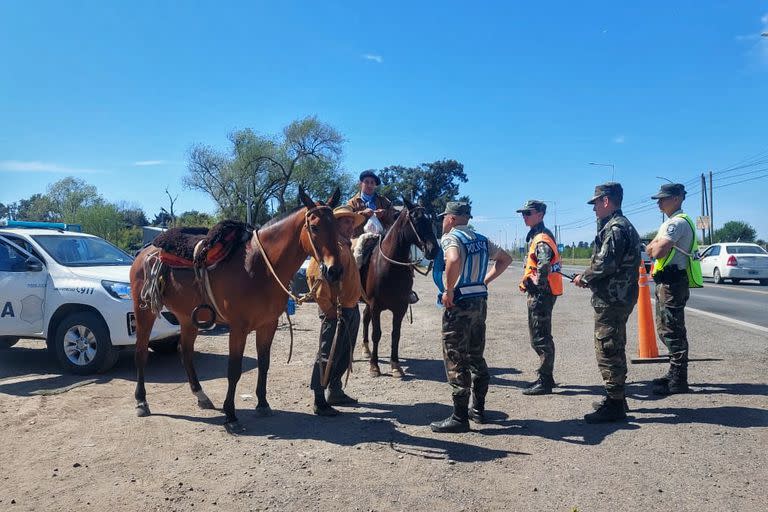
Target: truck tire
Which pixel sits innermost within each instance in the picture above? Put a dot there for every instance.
(166, 345)
(82, 344)
(8, 342)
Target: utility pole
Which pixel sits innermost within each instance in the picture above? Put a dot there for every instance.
(711, 209)
(703, 208)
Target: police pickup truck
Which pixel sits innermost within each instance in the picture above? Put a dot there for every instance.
(72, 290)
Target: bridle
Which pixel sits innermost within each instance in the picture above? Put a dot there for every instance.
(257, 245)
(419, 242)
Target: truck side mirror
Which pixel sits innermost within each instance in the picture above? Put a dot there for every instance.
(33, 264)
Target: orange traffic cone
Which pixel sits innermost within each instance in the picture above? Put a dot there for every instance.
(647, 349)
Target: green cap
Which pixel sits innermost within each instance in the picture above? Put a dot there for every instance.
(670, 190)
(610, 189)
(533, 204)
(457, 208)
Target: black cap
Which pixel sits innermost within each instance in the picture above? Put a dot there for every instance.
(370, 174)
(533, 204)
(610, 189)
(670, 190)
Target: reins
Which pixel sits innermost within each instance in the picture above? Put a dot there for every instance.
(420, 244)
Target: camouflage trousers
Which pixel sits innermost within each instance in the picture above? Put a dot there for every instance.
(463, 347)
(610, 347)
(540, 328)
(670, 318)
(345, 345)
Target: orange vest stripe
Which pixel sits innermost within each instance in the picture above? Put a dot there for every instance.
(555, 279)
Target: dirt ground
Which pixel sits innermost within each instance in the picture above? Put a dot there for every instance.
(85, 449)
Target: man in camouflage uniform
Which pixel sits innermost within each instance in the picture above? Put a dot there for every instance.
(670, 272)
(541, 296)
(612, 276)
(462, 274)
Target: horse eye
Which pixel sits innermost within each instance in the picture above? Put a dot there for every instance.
(314, 229)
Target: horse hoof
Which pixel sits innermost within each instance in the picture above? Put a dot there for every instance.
(397, 372)
(375, 372)
(366, 351)
(205, 404)
(234, 427)
(142, 410)
(263, 412)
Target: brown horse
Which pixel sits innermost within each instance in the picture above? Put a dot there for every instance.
(245, 291)
(389, 279)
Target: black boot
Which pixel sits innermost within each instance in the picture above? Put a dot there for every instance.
(542, 386)
(678, 381)
(413, 298)
(457, 422)
(612, 409)
(321, 406)
(664, 380)
(336, 396)
(477, 412)
(597, 405)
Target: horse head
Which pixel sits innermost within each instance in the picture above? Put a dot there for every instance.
(422, 227)
(320, 237)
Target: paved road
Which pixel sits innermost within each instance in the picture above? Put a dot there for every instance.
(744, 302)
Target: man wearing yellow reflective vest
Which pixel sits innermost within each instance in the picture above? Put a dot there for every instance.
(543, 284)
(675, 270)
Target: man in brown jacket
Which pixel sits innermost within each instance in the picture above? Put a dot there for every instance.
(368, 203)
(348, 292)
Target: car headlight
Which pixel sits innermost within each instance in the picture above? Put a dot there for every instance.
(117, 290)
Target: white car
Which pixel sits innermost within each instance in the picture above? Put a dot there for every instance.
(735, 261)
(72, 290)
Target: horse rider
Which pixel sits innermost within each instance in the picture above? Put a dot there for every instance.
(349, 293)
(675, 271)
(612, 276)
(368, 203)
(462, 275)
(542, 284)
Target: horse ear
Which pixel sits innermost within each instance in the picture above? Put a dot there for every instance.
(305, 199)
(333, 201)
(408, 204)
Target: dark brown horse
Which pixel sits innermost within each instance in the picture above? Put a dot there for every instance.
(389, 279)
(244, 291)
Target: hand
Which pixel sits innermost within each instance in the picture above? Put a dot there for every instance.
(448, 298)
(379, 213)
(367, 213)
(577, 281)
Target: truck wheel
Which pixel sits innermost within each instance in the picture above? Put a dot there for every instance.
(7, 342)
(166, 345)
(716, 277)
(82, 344)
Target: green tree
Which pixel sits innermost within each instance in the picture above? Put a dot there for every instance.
(193, 218)
(735, 231)
(102, 219)
(38, 207)
(70, 195)
(129, 239)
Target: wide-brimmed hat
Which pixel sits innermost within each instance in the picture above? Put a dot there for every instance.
(670, 190)
(610, 189)
(533, 204)
(370, 174)
(347, 211)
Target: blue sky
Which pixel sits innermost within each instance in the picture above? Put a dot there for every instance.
(524, 95)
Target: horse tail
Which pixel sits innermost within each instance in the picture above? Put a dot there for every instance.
(152, 289)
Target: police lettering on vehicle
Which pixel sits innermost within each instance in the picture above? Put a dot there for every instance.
(7, 311)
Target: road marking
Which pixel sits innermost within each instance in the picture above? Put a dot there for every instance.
(728, 319)
(734, 287)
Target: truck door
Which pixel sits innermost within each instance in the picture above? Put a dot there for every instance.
(23, 281)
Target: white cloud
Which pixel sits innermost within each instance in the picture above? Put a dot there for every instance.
(375, 58)
(619, 139)
(144, 163)
(19, 166)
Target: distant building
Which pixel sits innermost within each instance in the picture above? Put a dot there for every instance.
(149, 233)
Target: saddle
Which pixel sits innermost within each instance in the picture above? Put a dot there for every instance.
(177, 245)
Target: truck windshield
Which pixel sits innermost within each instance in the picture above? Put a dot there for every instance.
(82, 251)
